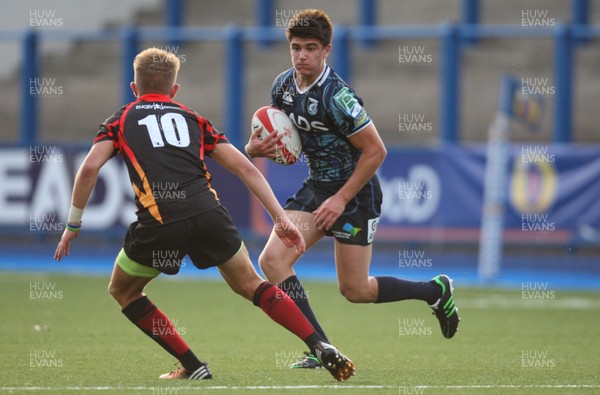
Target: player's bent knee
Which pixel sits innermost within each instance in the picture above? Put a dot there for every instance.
(355, 294)
(115, 292)
(268, 262)
(273, 263)
(122, 295)
(247, 288)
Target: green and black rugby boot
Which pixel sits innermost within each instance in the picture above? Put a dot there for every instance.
(445, 309)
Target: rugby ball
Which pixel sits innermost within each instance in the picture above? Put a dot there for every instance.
(273, 120)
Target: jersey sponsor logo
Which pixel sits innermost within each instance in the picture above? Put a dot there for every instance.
(304, 124)
(348, 102)
(312, 106)
(155, 106)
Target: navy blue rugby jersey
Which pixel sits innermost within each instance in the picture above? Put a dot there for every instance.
(326, 114)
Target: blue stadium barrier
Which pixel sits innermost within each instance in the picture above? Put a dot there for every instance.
(470, 16)
(266, 13)
(450, 81)
(564, 37)
(264, 19)
(580, 10)
(130, 50)
(234, 83)
(29, 110)
(173, 18)
(563, 74)
(367, 16)
(342, 59)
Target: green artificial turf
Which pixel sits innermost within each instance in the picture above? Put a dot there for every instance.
(69, 337)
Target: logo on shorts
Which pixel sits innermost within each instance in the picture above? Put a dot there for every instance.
(372, 229)
(348, 227)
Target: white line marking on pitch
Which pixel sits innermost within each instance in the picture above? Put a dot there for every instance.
(516, 302)
(297, 387)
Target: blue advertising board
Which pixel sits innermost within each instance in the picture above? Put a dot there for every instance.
(436, 194)
(36, 184)
(430, 194)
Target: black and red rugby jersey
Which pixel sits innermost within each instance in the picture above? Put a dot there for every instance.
(163, 144)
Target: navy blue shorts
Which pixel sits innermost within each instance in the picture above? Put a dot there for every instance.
(358, 223)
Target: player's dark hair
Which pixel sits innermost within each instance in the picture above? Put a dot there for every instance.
(310, 23)
(155, 70)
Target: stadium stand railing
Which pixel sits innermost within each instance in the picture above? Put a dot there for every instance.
(453, 37)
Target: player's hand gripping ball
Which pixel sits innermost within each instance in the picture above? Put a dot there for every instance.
(273, 120)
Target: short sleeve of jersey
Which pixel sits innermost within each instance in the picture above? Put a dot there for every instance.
(274, 91)
(348, 113)
(212, 136)
(278, 87)
(109, 130)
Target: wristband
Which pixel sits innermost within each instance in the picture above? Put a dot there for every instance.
(73, 227)
(75, 215)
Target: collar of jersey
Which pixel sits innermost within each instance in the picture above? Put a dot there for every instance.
(319, 80)
(155, 97)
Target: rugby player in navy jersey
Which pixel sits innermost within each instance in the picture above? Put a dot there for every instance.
(341, 196)
(164, 144)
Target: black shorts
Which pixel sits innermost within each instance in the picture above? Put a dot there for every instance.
(358, 223)
(209, 239)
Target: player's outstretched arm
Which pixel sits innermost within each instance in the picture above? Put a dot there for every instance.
(82, 189)
(259, 148)
(233, 160)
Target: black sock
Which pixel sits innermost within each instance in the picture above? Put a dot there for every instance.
(190, 361)
(293, 288)
(312, 341)
(392, 289)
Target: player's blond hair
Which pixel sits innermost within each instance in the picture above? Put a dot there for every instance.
(310, 23)
(155, 71)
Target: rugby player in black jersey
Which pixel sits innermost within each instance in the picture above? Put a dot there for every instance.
(164, 144)
(341, 196)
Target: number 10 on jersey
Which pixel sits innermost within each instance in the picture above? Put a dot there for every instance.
(172, 125)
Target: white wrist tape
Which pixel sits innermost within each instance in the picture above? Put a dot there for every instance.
(75, 214)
